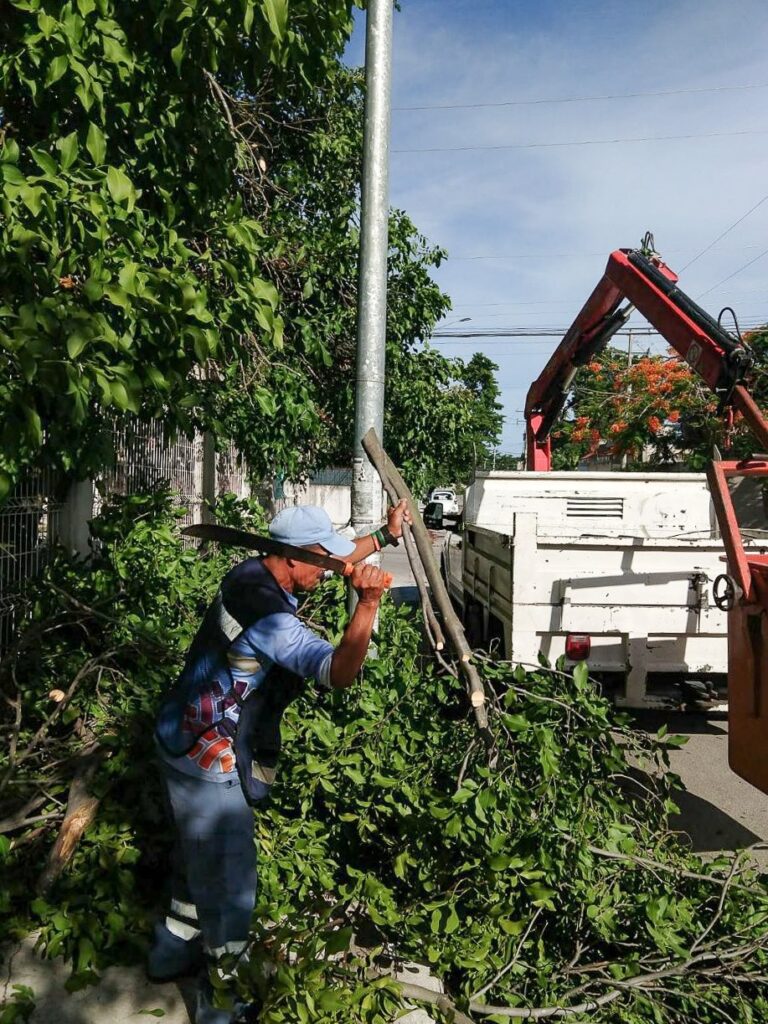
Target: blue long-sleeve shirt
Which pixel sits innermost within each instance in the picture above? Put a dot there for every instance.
(250, 637)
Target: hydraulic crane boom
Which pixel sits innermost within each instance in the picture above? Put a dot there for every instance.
(642, 281)
(645, 283)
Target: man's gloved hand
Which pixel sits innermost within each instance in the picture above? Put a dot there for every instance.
(396, 515)
(369, 582)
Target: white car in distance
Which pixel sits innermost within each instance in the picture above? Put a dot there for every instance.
(447, 499)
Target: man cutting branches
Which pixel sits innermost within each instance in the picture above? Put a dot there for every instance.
(218, 733)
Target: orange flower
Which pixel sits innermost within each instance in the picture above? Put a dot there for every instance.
(654, 424)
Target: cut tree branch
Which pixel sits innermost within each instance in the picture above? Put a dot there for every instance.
(433, 626)
(81, 811)
(387, 470)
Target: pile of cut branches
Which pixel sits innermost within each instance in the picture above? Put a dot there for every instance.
(548, 886)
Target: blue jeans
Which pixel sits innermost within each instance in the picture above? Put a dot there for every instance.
(214, 863)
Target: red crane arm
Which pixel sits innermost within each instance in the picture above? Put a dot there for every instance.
(650, 286)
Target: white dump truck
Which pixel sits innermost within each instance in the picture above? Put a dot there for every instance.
(623, 563)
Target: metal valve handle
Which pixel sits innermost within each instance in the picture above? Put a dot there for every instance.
(725, 592)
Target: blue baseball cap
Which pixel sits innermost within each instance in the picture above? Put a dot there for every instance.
(304, 525)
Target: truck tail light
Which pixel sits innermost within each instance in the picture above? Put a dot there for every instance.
(578, 646)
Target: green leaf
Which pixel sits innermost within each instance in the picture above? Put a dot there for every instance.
(510, 927)
(156, 377)
(48, 25)
(34, 426)
(516, 723)
(68, 147)
(338, 941)
(115, 52)
(10, 152)
(265, 290)
(675, 741)
(76, 342)
(96, 144)
(177, 53)
(32, 198)
(248, 16)
(13, 175)
(153, 1013)
(44, 161)
(119, 184)
(119, 394)
(56, 69)
(499, 862)
(581, 674)
(117, 296)
(276, 13)
(266, 401)
(127, 277)
(277, 334)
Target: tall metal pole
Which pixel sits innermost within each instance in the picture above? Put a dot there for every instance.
(372, 281)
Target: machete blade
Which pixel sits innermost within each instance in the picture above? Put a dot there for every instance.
(266, 545)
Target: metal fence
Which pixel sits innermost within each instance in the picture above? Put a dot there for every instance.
(45, 508)
(29, 527)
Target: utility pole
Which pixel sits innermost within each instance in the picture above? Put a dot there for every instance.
(372, 281)
(624, 459)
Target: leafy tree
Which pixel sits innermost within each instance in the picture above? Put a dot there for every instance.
(656, 412)
(128, 256)
(443, 417)
(180, 192)
(439, 413)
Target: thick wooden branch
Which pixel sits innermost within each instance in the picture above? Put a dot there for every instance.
(387, 470)
(433, 626)
(81, 811)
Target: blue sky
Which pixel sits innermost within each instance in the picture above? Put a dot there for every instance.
(528, 228)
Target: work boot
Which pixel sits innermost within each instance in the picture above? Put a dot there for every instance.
(171, 957)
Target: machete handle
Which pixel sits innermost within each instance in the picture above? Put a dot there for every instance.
(349, 569)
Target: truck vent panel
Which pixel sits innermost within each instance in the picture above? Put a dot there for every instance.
(594, 508)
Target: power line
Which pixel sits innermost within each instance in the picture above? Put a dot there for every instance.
(583, 142)
(526, 302)
(726, 232)
(504, 333)
(714, 286)
(528, 332)
(604, 253)
(583, 99)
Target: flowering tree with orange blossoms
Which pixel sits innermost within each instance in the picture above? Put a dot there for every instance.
(655, 412)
